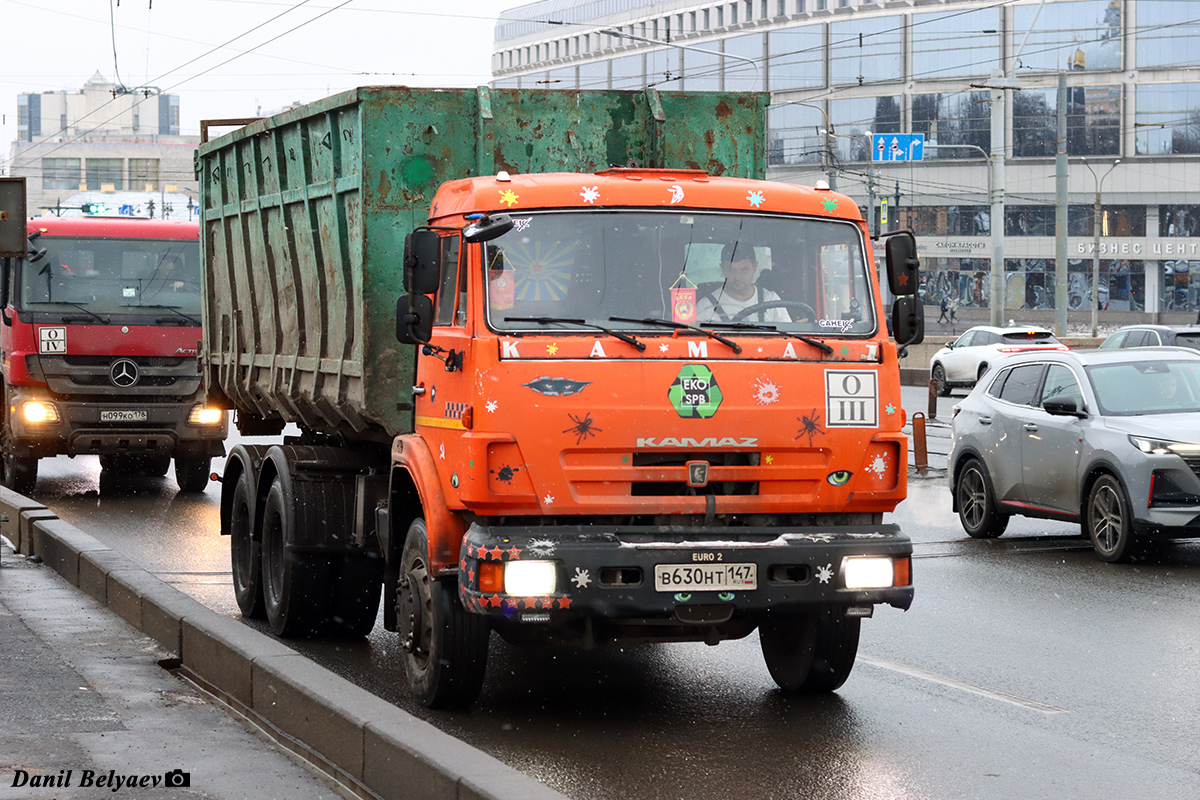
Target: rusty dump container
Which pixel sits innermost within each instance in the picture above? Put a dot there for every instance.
(304, 215)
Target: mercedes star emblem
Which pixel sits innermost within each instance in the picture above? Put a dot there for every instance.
(124, 373)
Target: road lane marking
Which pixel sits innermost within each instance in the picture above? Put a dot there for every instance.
(992, 694)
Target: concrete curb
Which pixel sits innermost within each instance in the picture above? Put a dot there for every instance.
(383, 749)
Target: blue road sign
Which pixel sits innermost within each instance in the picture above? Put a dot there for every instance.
(897, 146)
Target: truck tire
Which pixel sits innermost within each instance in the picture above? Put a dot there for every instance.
(20, 473)
(356, 590)
(446, 646)
(811, 652)
(191, 471)
(245, 550)
(295, 585)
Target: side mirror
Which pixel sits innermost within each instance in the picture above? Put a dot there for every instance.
(903, 266)
(488, 227)
(414, 319)
(422, 261)
(1061, 407)
(908, 320)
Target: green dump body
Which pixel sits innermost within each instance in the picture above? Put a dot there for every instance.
(304, 216)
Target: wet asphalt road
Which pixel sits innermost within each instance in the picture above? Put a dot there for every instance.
(1025, 668)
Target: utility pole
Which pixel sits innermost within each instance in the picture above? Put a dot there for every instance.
(1060, 261)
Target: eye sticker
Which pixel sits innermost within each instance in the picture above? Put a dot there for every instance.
(839, 478)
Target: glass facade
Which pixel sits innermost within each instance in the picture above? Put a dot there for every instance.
(1084, 35)
(1167, 32)
(961, 120)
(1093, 121)
(866, 50)
(955, 44)
(796, 57)
(1167, 119)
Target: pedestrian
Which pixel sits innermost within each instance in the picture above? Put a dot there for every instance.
(953, 309)
(945, 308)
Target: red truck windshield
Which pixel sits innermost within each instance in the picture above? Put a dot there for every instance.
(127, 276)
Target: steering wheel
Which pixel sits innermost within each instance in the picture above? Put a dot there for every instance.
(807, 314)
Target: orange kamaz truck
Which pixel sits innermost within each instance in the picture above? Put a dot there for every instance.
(538, 394)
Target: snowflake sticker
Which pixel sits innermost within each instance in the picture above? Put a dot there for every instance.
(541, 548)
(509, 197)
(491, 406)
(548, 499)
(878, 465)
(766, 391)
(825, 573)
(581, 578)
(590, 194)
(755, 199)
(664, 347)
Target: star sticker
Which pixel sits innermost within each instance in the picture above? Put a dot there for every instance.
(590, 194)
(514, 552)
(769, 459)
(564, 602)
(494, 601)
(904, 280)
(891, 409)
(491, 406)
(755, 198)
(471, 551)
(552, 349)
(509, 197)
(830, 204)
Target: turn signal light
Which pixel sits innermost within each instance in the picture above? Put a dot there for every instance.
(491, 577)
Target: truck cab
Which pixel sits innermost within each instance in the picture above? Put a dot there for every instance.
(99, 325)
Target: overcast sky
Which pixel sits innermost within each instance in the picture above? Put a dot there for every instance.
(312, 49)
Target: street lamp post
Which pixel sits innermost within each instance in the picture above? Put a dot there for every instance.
(1099, 181)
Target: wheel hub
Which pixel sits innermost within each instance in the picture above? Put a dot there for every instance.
(409, 607)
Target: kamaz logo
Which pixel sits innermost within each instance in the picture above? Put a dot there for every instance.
(687, 441)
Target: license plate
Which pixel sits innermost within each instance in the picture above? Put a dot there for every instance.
(705, 577)
(122, 416)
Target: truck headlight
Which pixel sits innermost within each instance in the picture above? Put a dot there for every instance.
(870, 572)
(37, 411)
(206, 415)
(530, 578)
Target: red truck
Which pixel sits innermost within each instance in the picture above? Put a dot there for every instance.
(99, 325)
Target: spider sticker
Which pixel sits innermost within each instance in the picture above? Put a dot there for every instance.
(584, 427)
(810, 426)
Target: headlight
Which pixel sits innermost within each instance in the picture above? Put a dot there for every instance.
(205, 415)
(36, 411)
(530, 578)
(868, 572)
(1159, 447)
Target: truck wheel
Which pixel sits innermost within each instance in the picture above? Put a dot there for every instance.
(191, 471)
(446, 645)
(357, 587)
(812, 652)
(20, 473)
(295, 585)
(245, 550)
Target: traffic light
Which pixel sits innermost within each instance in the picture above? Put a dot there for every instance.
(94, 208)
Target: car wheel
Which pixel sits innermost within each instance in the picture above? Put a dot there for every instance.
(983, 368)
(977, 503)
(939, 375)
(1109, 520)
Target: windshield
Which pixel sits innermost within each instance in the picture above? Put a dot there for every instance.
(106, 276)
(792, 274)
(1150, 387)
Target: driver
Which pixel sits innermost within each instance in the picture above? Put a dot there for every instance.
(738, 292)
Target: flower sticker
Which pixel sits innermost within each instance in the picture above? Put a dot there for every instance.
(590, 194)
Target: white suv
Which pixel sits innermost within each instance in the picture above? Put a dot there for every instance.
(963, 361)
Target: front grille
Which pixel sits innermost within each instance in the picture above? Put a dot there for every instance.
(106, 361)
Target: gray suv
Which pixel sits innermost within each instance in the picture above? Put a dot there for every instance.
(1106, 438)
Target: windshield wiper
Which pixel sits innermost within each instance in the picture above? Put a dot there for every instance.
(191, 320)
(624, 337)
(90, 314)
(737, 348)
(746, 326)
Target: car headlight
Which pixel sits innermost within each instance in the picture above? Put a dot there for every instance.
(37, 411)
(206, 415)
(1159, 447)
